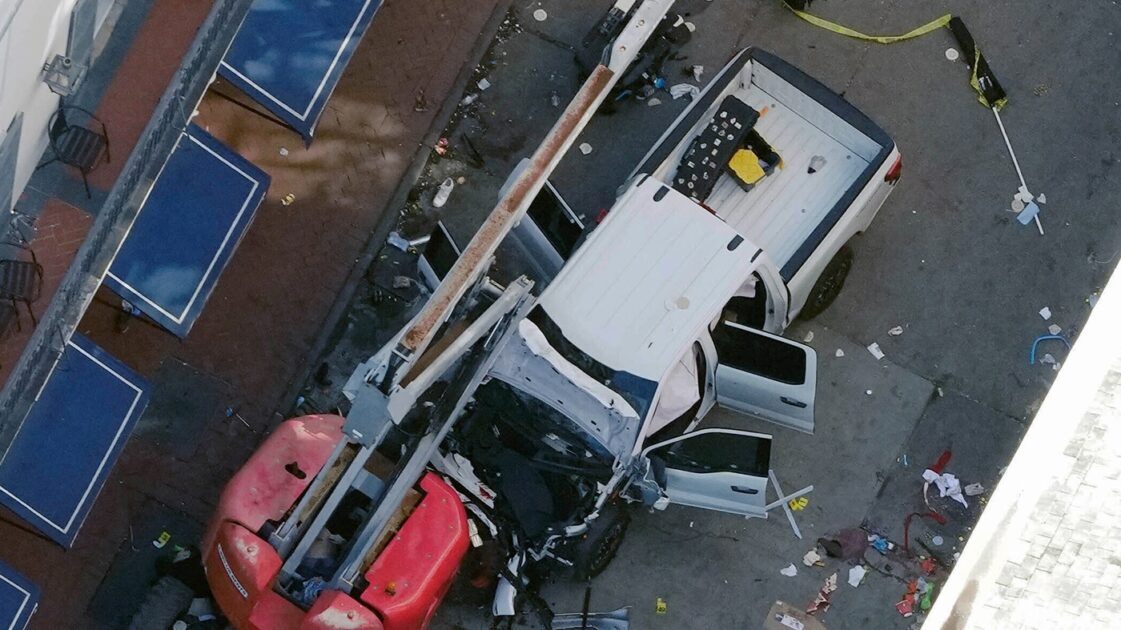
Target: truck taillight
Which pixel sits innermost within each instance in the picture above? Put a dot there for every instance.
(895, 171)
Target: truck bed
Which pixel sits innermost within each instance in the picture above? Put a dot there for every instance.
(790, 210)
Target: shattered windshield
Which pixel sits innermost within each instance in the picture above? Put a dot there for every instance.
(637, 391)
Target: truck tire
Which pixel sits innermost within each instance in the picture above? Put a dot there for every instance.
(829, 285)
(166, 600)
(597, 548)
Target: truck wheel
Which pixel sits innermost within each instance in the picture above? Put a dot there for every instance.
(165, 601)
(601, 542)
(829, 285)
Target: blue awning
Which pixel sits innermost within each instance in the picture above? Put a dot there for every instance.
(289, 54)
(70, 439)
(188, 227)
(18, 599)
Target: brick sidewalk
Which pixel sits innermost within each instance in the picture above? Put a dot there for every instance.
(260, 324)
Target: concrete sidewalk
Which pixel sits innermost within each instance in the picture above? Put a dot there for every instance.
(262, 322)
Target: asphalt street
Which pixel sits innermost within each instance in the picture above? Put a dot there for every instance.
(945, 260)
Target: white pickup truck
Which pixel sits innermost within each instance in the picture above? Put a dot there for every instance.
(670, 307)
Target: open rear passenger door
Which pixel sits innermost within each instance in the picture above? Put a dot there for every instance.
(714, 469)
(765, 376)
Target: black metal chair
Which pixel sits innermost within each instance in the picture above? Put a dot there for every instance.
(79, 139)
(21, 281)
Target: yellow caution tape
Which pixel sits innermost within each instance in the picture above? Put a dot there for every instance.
(879, 39)
(999, 105)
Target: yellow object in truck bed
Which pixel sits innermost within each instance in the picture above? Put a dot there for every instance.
(744, 166)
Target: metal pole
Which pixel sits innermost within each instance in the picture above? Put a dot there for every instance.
(1015, 163)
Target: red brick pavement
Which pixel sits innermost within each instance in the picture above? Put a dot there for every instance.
(259, 325)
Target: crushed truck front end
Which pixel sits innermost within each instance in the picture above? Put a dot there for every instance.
(403, 585)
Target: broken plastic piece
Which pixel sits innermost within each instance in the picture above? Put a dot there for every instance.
(895, 331)
(1045, 312)
(585, 148)
(1042, 198)
(840, 353)
(809, 337)
(1055, 329)
(811, 558)
(789, 571)
(483, 84)
(856, 574)
(874, 348)
(974, 489)
(684, 89)
(830, 584)
(906, 607)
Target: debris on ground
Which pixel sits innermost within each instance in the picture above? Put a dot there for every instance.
(812, 558)
(840, 353)
(821, 600)
(856, 574)
(660, 606)
(441, 147)
(809, 337)
(684, 89)
(653, 102)
(540, 15)
(974, 489)
(868, 392)
(880, 544)
(952, 54)
(799, 504)
(1035, 345)
(443, 192)
(783, 616)
(483, 84)
(698, 72)
(1054, 329)
(874, 348)
(585, 148)
(1045, 312)
(789, 571)
(817, 163)
(948, 485)
(895, 331)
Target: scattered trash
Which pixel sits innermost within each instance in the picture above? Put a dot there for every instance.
(868, 392)
(232, 413)
(653, 102)
(903, 460)
(483, 84)
(585, 148)
(1017, 204)
(161, 541)
(1042, 198)
(809, 337)
(948, 485)
(1054, 329)
(461, 180)
(1035, 345)
(821, 600)
(540, 15)
(789, 571)
(283, 152)
(443, 192)
(840, 353)
(1030, 212)
(798, 504)
(1093, 298)
(927, 566)
(817, 163)
(470, 98)
(937, 540)
(811, 558)
(896, 331)
(906, 606)
(974, 489)
(287, 200)
(830, 584)
(400, 242)
(874, 348)
(441, 147)
(1047, 359)
(554, 99)
(660, 606)
(1045, 312)
(952, 54)
(697, 71)
(684, 89)
(880, 544)
(856, 574)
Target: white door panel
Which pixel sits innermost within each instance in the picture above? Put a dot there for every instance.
(765, 376)
(714, 469)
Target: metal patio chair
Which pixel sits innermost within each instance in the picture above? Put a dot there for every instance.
(78, 139)
(21, 281)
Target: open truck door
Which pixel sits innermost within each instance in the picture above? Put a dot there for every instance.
(715, 469)
(765, 376)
